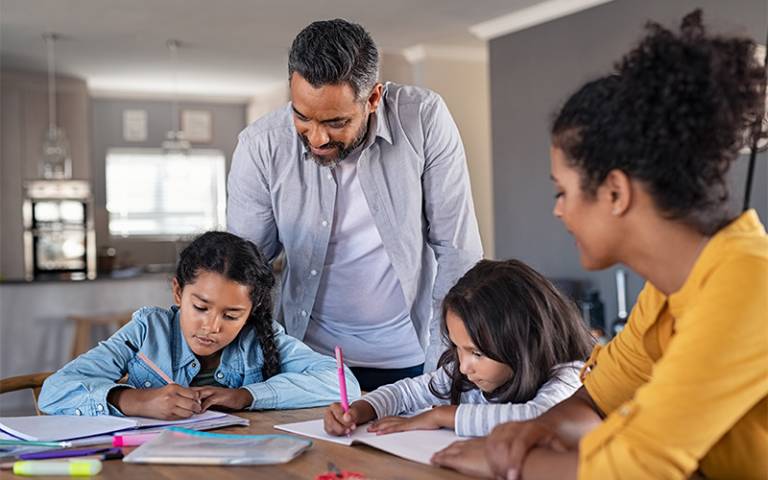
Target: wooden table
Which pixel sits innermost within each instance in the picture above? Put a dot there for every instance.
(374, 463)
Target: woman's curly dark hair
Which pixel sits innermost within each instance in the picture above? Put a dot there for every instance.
(240, 261)
(517, 317)
(674, 117)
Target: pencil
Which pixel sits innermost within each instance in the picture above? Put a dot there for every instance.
(149, 363)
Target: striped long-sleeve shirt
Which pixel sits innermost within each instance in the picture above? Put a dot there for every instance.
(476, 416)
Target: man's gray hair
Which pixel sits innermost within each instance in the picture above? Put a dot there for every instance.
(330, 52)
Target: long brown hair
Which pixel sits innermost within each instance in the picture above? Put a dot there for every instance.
(517, 317)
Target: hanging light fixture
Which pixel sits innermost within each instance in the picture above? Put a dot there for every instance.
(175, 143)
(56, 162)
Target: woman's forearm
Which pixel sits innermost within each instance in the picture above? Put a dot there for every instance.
(545, 464)
(573, 418)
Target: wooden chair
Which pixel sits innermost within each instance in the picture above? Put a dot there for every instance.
(84, 323)
(22, 382)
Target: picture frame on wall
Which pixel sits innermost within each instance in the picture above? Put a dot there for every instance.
(135, 125)
(197, 125)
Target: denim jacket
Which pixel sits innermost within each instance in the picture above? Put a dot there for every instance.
(306, 378)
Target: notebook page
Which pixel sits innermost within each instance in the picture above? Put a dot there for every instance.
(416, 445)
(62, 427)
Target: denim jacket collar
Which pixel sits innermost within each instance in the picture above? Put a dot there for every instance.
(182, 354)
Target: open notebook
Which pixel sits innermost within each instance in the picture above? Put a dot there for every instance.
(416, 445)
(71, 427)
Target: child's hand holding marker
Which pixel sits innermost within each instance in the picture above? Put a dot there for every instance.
(341, 418)
(337, 422)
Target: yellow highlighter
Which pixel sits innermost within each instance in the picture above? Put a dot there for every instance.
(72, 468)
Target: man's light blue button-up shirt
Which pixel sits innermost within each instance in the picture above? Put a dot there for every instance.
(415, 180)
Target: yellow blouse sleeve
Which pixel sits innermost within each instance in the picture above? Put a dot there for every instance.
(714, 370)
(613, 373)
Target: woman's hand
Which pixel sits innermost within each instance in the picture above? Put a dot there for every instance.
(438, 417)
(224, 398)
(338, 423)
(467, 457)
(171, 402)
(508, 445)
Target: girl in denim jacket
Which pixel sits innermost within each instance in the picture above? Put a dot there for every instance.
(218, 344)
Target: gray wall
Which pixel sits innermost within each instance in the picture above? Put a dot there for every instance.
(107, 132)
(532, 73)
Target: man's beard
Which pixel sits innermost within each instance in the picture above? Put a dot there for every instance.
(342, 150)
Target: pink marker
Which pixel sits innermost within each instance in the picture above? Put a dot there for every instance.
(342, 380)
(132, 440)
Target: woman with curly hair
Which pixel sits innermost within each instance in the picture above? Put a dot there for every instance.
(218, 348)
(639, 162)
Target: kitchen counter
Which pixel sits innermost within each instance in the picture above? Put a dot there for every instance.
(35, 334)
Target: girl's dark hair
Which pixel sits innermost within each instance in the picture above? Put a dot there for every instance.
(514, 316)
(674, 117)
(239, 261)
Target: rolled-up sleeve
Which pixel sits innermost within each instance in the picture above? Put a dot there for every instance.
(713, 372)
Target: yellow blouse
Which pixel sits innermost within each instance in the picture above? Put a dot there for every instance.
(685, 384)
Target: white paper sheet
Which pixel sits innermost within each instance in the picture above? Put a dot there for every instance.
(68, 427)
(416, 445)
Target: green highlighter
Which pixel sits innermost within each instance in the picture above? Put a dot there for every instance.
(72, 468)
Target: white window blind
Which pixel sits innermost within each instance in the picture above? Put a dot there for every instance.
(151, 193)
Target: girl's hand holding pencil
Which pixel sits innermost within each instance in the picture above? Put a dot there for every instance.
(171, 402)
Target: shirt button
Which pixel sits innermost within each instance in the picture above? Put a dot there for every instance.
(219, 375)
(330, 177)
(313, 272)
(625, 410)
(99, 408)
(325, 223)
(303, 313)
(194, 364)
(147, 384)
(78, 412)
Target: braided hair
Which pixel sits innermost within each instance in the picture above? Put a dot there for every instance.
(239, 261)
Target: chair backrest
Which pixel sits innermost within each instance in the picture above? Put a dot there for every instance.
(33, 381)
(83, 323)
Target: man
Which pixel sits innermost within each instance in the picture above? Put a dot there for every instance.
(365, 188)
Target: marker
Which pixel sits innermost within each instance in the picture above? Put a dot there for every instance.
(32, 443)
(104, 453)
(74, 468)
(342, 380)
(132, 440)
(149, 363)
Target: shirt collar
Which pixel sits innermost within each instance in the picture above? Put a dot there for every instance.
(182, 354)
(748, 223)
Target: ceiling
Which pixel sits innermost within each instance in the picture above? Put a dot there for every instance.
(229, 48)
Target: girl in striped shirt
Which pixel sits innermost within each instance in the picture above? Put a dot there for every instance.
(515, 349)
